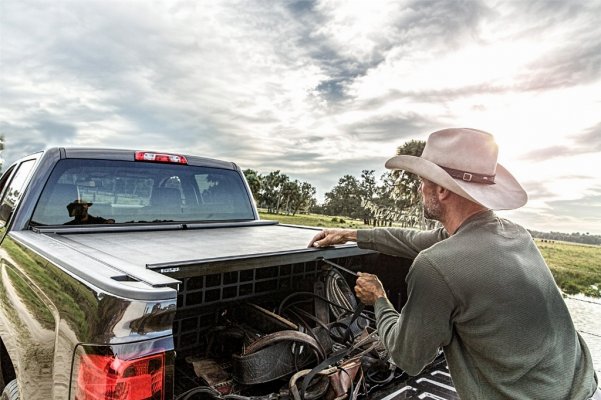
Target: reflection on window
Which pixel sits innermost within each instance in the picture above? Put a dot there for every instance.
(15, 189)
(134, 192)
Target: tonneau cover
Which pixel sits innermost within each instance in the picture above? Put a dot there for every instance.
(160, 249)
(149, 256)
(148, 248)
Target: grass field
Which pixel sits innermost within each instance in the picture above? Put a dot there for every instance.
(576, 267)
(323, 221)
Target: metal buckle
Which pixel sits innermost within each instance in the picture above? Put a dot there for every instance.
(467, 177)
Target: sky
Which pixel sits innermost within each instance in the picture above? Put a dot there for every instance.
(316, 89)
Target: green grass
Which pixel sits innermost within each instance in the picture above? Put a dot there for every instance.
(575, 267)
(322, 221)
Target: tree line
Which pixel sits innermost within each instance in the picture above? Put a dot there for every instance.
(277, 193)
(394, 198)
(577, 237)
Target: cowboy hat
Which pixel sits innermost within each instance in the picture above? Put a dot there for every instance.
(464, 161)
(78, 202)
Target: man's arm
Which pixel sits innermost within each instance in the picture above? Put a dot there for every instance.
(399, 241)
(414, 336)
(393, 241)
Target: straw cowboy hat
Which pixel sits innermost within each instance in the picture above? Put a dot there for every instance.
(464, 161)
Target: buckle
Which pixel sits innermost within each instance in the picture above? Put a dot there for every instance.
(467, 177)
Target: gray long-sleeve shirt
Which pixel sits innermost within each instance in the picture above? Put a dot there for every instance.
(486, 296)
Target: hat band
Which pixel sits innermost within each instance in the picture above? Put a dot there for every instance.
(470, 176)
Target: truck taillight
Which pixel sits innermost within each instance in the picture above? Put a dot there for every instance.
(160, 157)
(107, 377)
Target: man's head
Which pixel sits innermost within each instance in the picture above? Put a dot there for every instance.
(442, 205)
(464, 161)
(78, 208)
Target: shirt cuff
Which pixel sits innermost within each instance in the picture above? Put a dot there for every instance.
(382, 305)
(365, 239)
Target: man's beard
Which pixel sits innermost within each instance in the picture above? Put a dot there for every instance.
(432, 209)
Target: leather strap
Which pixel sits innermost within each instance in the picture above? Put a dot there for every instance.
(318, 390)
(334, 358)
(322, 310)
(284, 336)
(470, 176)
(348, 333)
(272, 356)
(212, 373)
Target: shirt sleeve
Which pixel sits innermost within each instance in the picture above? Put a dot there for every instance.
(414, 336)
(398, 241)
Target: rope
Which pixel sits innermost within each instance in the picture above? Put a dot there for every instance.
(339, 292)
(589, 333)
(281, 307)
(583, 300)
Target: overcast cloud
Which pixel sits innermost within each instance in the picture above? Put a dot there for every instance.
(316, 89)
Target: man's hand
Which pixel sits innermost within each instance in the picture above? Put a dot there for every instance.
(330, 237)
(369, 288)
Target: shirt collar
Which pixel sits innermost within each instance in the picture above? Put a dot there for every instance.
(485, 215)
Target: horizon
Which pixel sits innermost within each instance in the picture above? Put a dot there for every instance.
(316, 89)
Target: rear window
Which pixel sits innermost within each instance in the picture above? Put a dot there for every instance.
(81, 192)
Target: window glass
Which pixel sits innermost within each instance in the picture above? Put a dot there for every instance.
(15, 189)
(100, 192)
(4, 179)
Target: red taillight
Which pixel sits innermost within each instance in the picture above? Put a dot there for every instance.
(160, 157)
(107, 377)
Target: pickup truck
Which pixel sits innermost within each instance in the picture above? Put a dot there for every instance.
(145, 275)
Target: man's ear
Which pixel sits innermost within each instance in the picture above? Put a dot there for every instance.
(443, 193)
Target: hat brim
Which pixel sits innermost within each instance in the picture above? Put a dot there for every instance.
(505, 194)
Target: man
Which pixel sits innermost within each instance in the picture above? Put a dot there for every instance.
(79, 210)
(478, 287)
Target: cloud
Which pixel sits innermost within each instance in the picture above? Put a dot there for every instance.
(585, 142)
(586, 208)
(316, 88)
(546, 153)
(575, 56)
(589, 139)
(582, 214)
(579, 214)
(388, 128)
(537, 190)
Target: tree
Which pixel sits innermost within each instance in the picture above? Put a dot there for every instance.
(345, 198)
(398, 198)
(290, 195)
(254, 182)
(406, 188)
(407, 184)
(271, 195)
(368, 189)
(277, 193)
(306, 198)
